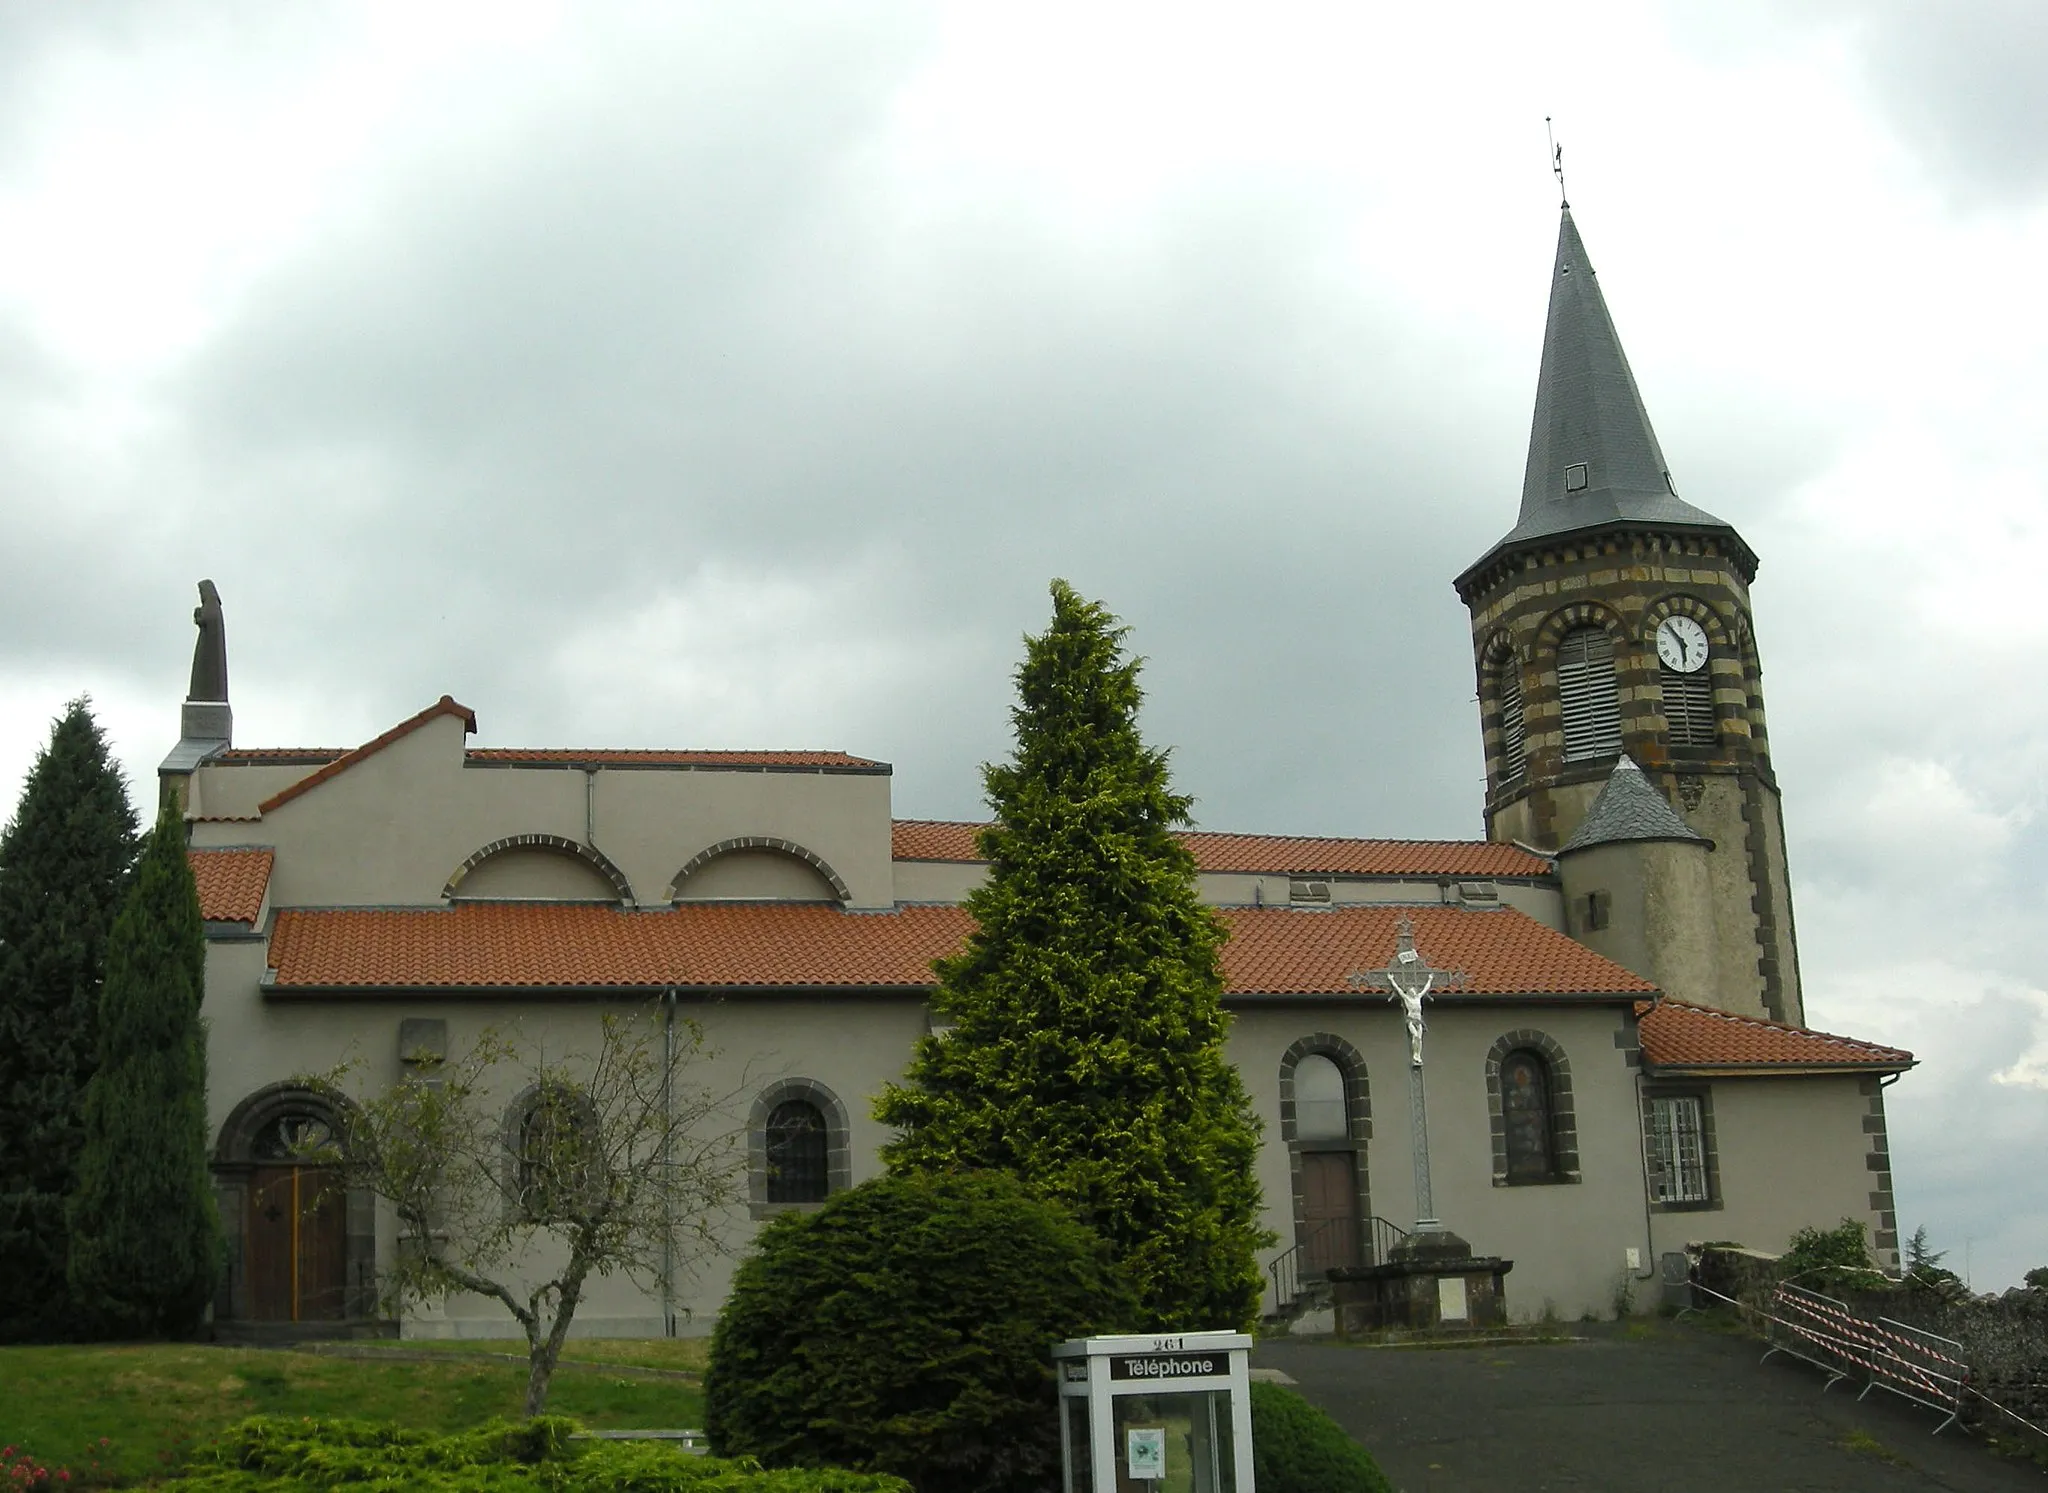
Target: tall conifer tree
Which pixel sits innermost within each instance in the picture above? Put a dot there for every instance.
(1085, 1052)
(145, 1235)
(65, 857)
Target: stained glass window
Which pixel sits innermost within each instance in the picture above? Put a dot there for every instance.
(1525, 1107)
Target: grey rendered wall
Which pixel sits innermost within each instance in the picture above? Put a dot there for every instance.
(1793, 1152)
(1568, 1240)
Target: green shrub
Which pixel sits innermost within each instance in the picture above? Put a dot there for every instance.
(905, 1327)
(1298, 1449)
(277, 1454)
(1832, 1259)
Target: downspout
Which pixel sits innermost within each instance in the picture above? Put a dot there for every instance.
(1643, 1156)
(1643, 1160)
(668, 1068)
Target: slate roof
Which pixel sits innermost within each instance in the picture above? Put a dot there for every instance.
(1677, 1035)
(1589, 412)
(1274, 951)
(1629, 808)
(953, 840)
(231, 883)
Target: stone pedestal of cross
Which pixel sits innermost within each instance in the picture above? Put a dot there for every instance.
(1408, 978)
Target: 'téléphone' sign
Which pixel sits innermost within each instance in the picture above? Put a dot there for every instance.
(1169, 1365)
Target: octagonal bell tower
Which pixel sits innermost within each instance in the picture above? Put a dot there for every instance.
(1612, 622)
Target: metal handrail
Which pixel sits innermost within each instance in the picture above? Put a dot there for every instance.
(1381, 1236)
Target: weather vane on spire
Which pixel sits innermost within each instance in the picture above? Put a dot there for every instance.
(1556, 162)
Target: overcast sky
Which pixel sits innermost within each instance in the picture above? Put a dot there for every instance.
(738, 376)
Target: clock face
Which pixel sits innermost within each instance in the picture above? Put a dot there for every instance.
(1682, 644)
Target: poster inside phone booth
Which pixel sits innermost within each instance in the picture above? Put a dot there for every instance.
(1158, 1414)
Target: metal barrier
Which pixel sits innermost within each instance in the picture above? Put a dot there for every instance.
(1909, 1362)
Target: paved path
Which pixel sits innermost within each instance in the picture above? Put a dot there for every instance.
(1676, 1409)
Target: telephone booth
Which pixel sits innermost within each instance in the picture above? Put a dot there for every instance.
(1165, 1414)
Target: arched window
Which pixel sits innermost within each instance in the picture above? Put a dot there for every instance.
(1525, 1102)
(297, 1133)
(796, 1153)
(1688, 707)
(799, 1149)
(1587, 697)
(1514, 756)
(555, 1160)
(1530, 1106)
(1320, 1112)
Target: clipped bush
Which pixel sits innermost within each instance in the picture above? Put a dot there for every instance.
(1298, 1449)
(904, 1327)
(1833, 1259)
(281, 1454)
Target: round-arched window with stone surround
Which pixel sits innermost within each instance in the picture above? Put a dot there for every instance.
(799, 1147)
(797, 1171)
(1321, 1112)
(1532, 1111)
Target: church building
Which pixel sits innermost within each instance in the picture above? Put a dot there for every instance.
(1620, 1064)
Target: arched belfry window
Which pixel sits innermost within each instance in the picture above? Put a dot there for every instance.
(1588, 700)
(1688, 706)
(1514, 754)
(796, 1153)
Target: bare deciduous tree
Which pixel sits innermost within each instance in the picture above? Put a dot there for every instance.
(518, 1175)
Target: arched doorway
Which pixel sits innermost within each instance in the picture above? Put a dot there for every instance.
(300, 1242)
(1329, 1167)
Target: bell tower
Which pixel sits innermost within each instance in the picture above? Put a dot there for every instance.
(1611, 631)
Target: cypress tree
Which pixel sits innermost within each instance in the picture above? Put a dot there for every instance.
(1085, 1053)
(145, 1236)
(65, 857)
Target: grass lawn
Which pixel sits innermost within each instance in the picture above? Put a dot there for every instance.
(689, 1354)
(153, 1401)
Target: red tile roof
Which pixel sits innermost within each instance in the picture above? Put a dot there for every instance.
(1677, 1035)
(1285, 951)
(231, 883)
(514, 756)
(446, 705)
(485, 944)
(953, 840)
(1272, 951)
(276, 756)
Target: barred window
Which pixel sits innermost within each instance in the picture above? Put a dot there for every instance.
(1587, 695)
(1678, 1150)
(1689, 707)
(797, 1171)
(1514, 756)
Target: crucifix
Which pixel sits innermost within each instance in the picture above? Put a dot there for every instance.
(1408, 977)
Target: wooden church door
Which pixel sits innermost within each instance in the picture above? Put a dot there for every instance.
(1329, 1211)
(297, 1234)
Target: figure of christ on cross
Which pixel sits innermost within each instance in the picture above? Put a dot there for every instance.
(1408, 977)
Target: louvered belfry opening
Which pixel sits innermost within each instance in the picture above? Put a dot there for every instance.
(1514, 754)
(1587, 698)
(1689, 708)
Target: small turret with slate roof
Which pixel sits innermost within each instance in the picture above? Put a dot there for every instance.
(1628, 808)
(1611, 625)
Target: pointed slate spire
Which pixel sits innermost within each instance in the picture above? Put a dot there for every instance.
(1594, 460)
(1629, 808)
